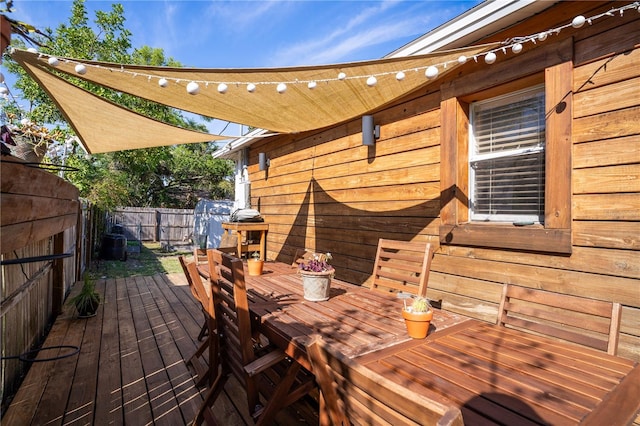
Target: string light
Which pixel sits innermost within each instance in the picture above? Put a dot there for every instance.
(431, 72)
(490, 57)
(579, 21)
(193, 88)
(516, 45)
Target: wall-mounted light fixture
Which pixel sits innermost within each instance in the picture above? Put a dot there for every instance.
(263, 161)
(370, 131)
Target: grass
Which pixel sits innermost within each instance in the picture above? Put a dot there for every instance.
(150, 261)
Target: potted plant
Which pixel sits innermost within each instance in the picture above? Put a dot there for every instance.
(255, 264)
(88, 300)
(316, 276)
(417, 317)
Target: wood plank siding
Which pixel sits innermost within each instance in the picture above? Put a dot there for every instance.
(324, 190)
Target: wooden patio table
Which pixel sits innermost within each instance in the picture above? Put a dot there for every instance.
(498, 375)
(355, 320)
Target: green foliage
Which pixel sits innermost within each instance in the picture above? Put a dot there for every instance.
(175, 176)
(87, 301)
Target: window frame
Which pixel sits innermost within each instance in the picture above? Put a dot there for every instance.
(508, 154)
(555, 234)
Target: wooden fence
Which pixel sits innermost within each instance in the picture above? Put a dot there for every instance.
(170, 226)
(41, 216)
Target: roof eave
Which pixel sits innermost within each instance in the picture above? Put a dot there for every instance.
(473, 25)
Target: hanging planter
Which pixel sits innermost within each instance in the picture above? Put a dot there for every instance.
(417, 318)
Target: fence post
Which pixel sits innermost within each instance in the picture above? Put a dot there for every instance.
(158, 225)
(58, 275)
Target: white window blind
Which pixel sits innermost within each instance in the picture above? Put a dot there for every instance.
(507, 157)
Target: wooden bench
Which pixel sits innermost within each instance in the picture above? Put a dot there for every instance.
(353, 394)
(588, 322)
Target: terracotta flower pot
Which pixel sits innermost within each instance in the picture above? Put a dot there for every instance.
(255, 266)
(417, 323)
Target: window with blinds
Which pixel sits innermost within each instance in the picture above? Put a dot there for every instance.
(506, 158)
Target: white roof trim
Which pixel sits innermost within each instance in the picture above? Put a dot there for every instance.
(237, 144)
(477, 23)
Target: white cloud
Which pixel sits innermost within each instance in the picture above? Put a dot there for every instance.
(371, 27)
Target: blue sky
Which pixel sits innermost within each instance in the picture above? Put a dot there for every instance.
(250, 34)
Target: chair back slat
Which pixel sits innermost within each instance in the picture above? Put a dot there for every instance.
(353, 394)
(402, 266)
(587, 322)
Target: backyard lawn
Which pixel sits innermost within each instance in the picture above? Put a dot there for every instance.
(150, 260)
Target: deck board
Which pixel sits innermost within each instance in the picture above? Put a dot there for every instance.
(131, 366)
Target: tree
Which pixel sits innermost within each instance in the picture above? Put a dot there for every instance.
(175, 176)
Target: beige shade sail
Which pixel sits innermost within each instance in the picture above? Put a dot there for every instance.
(103, 126)
(252, 96)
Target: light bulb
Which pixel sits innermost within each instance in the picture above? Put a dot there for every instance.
(542, 36)
(163, 82)
(400, 76)
(342, 76)
(81, 69)
(516, 48)
(490, 58)
(462, 59)
(3, 90)
(32, 50)
(372, 81)
(431, 72)
(53, 61)
(222, 88)
(281, 88)
(193, 88)
(578, 21)
(251, 87)
(312, 85)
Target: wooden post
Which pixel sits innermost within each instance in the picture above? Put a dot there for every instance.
(57, 294)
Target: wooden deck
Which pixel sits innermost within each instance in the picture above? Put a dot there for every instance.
(130, 368)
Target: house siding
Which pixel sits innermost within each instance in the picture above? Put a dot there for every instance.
(326, 191)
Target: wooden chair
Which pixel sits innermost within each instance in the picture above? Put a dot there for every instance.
(588, 322)
(229, 244)
(261, 368)
(205, 369)
(300, 256)
(200, 257)
(402, 266)
(353, 394)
